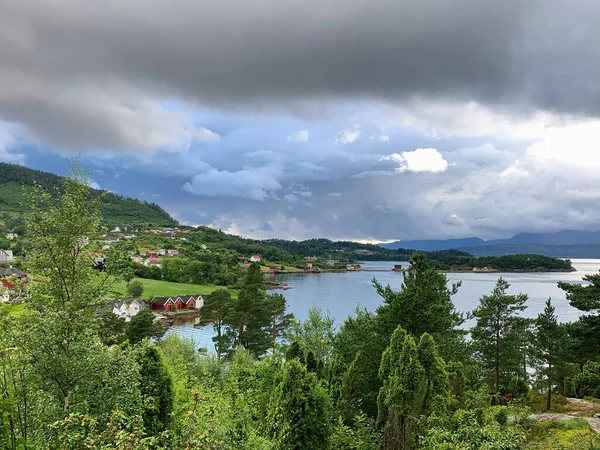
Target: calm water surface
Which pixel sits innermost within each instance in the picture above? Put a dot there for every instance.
(341, 293)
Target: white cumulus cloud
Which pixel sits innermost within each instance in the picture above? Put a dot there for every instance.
(419, 160)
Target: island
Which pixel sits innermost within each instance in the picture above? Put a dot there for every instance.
(507, 263)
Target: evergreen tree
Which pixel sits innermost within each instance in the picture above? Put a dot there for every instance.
(143, 325)
(585, 333)
(249, 320)
(412, 377)
(423, 305)
(301, 410)
(279, 321)
(156, 387)
(349, 341)
(216, 309)
(547, 346)
(352, 389)
(499, 334)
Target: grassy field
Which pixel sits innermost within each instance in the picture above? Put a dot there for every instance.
(562, 435)
(157, 288)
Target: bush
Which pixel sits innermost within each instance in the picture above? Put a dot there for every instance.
(587, 383)
(135, 289)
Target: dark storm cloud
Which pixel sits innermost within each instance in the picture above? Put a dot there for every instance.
(88, 74)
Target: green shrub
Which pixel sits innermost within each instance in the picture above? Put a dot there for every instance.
(587, 383)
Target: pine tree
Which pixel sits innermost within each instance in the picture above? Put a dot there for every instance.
(217, 307)
(547, 346)
(499, 333)
(584, 334)
(423, 305)
(279, 321)
(249, 320)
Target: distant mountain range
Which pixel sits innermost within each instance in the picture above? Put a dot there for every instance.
(561, 244)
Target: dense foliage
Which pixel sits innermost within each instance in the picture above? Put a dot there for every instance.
(506, 263)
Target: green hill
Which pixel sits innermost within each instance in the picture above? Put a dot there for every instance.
(116, 209)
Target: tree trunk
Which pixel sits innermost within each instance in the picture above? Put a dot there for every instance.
(67, 398)
(497, 360)
(549, 399)
(274, 335)
(219, 340)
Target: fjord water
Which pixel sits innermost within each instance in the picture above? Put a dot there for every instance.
(341, 293)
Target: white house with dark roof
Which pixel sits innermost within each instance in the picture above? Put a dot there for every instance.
(129, 307)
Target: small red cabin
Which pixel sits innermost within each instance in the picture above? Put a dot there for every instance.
(162, 304)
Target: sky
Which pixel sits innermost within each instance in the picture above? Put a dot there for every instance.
(370, 120)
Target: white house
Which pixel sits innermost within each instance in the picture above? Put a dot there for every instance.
(6, 256)
(4, 295)
(161, 252)
(128, 308)
(11, 235)
(116, 230)
(172, 252)
(255, 258)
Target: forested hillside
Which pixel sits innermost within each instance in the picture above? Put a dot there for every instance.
(116, 210)
(282, 250)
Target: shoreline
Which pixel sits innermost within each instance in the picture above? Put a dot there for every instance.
(440, 271)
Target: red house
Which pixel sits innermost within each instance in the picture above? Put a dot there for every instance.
(179, 303)
(7, 284)
(162, 304)
(175, 303)
(151, 253)
(189, 301)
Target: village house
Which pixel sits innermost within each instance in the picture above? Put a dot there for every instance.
(332, 262)
(13, 272)
(9, 292)
(174, 303)
(242, 259)
(6, 256)
(153, 262)
(127, 308)
(11, 236)
(151, 253)
(115, 230)
(255, 258)
(172, 252)
(161, 252)
(311, 258)
(137, 259)
(308, 266)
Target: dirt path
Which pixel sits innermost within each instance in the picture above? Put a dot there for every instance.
(580, 408)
